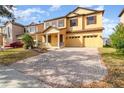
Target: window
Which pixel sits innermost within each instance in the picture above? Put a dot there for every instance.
(32, 29)
(54, 23)
(73, 22)
(61, 23)
(8, 29)
(91, 20)
(47, 24)
(49, 38)
(72, 37)
(28, 29)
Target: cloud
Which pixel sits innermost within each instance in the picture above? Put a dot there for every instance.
(109, 24)
(100, 7)
(28, 12)
(29, 15)
(54, 7)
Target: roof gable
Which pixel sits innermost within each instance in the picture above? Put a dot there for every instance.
(121, 13)
(13, 23)
(80, 11)
(51, 30)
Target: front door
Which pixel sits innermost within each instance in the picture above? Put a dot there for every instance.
(61, 40)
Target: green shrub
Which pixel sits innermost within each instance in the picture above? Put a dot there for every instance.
(28, 41)
(117, 38)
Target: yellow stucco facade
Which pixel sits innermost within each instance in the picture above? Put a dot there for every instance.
(79, 28)
(122, 18)
(85, 39)
(81, 35)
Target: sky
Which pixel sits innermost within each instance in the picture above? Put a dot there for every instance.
(26, 14)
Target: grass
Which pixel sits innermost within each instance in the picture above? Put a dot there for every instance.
(115, 65)
(12, 55)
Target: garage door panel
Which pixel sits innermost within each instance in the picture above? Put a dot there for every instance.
(74, 41)
(91, 41)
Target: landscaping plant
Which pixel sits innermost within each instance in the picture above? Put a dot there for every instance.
(117, 38)
(28, 41)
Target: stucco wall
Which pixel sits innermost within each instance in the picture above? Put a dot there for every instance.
(80, 11)
(1, 40)
(122, 18)
(78, 27)
(7, 40)
(40, 27)
(57, 20)
(82, 22)
(98, 21)
(98, 42)
(1, 37)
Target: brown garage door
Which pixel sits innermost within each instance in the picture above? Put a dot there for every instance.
(73, 41)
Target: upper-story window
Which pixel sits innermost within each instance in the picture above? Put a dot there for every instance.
(32, 29)
(8, 30)
(54, 23)
(73, 22)
(61, 23)
(47, 24)
(27, 29)
(91, 20)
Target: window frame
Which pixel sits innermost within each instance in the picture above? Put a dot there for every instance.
(93, 21)
(47, 24)
(54, 23)
(8, 31)
(71, 20)
(32, 29)
(60, 21)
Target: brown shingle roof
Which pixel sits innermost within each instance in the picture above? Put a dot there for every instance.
(94, 11)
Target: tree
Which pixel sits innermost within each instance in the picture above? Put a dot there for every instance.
(117, 38)
(28, 41)
(6, 11)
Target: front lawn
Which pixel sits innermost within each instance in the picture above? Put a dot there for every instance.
(115, 65)
(12, 55)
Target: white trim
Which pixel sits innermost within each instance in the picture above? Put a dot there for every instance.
(52, 31)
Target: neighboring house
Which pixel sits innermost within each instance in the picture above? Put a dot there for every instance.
(121, 15)
(1, 36)
(81, 27)
(11, 32)
(35, 30)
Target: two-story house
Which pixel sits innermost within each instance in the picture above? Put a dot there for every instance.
(1, 35)
(81, 27)
(121, 15)
(35, 30)
(11, 32)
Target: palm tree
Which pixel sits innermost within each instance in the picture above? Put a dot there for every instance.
(28, 41)
(6, 11)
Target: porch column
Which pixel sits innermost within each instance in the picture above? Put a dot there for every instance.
(58, 40)
(36, 40)
(46, 39)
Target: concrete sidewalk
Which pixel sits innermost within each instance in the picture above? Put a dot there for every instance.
(10, 78)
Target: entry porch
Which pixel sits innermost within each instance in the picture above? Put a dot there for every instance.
(53, 38)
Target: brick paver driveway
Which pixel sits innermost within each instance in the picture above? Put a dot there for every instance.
(64, 67)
